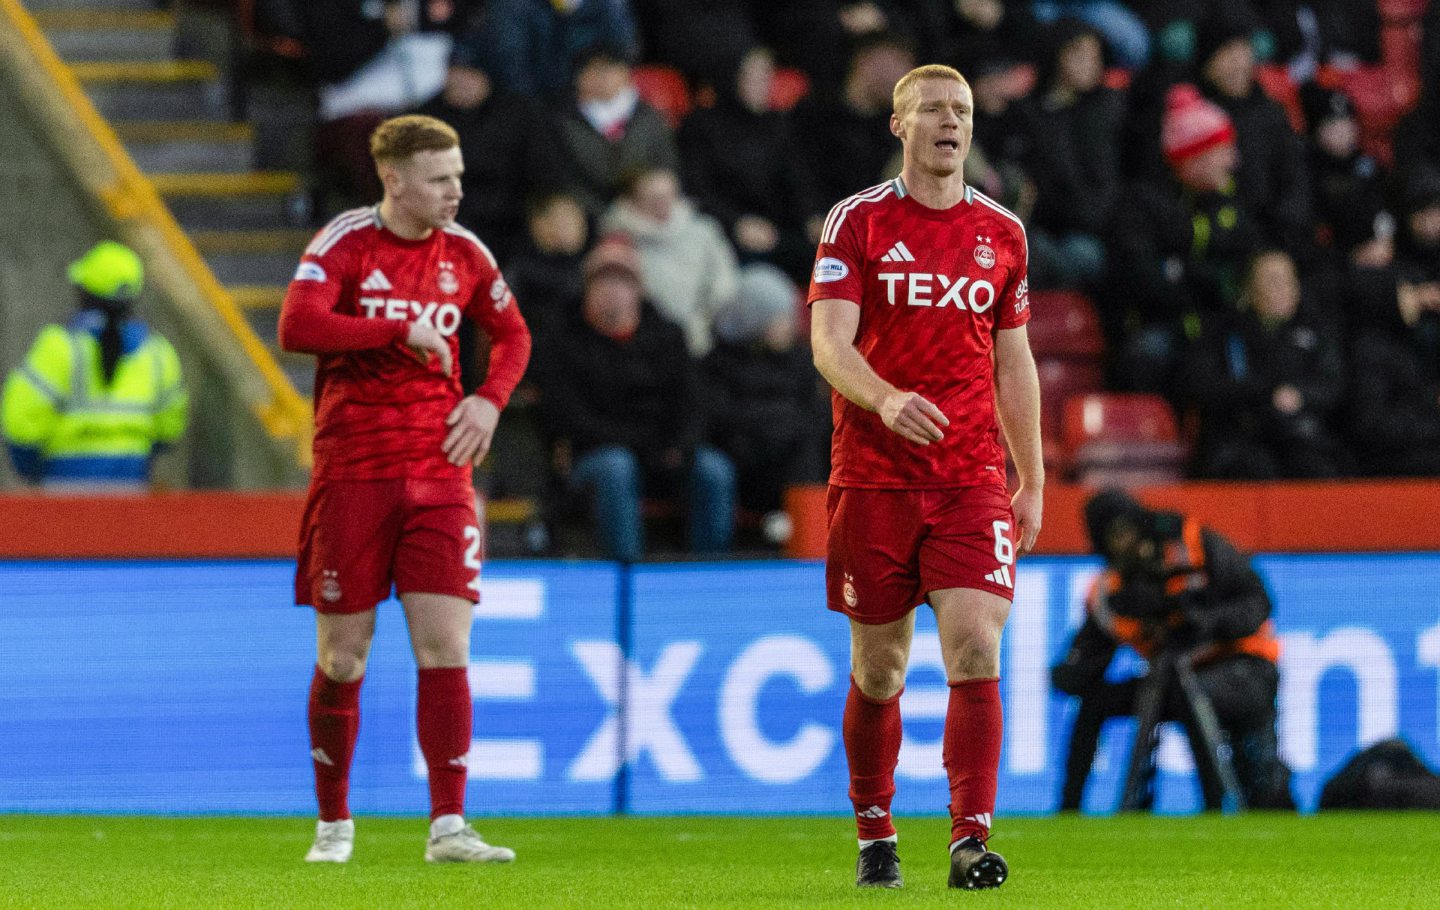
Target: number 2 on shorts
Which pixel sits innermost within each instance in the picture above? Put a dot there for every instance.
(472, 555)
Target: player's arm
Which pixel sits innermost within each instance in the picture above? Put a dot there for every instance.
(1017, 402)
(472, 423)
(833, 326)
(309, 323)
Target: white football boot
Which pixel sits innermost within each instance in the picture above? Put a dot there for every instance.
(453, 841)
(334, 842)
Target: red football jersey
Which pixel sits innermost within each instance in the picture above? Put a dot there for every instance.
(379, 411)
(933, 286)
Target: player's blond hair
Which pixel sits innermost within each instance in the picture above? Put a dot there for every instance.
(398, 138)
(907, 91)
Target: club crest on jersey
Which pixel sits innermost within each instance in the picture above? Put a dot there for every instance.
(985, 256)
(449, 284)
(830, 269)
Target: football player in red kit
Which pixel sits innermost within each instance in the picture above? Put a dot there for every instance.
(377, 298)
(919, 303)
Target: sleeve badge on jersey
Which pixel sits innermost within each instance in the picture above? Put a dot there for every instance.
(500, 293)
(1022, 295)
(830, 269)
(310, 271)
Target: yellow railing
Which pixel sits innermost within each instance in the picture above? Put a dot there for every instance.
(132, 197)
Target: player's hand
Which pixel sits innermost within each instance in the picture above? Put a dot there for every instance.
(914, 417)
(424, 339)
(472, 427)
(1028, 504)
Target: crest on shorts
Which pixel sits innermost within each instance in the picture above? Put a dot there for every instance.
(984, 253)
(851, 598)
(446, 279)
(330, 585)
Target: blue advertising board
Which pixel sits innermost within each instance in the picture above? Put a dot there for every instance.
(179, 687)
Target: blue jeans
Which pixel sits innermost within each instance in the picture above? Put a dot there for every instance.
(1124, 31)
(614, 477)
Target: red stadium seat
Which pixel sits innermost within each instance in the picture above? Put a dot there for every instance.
(789, 86)
(1275, 81)
(1064, 324)
(1062, 379)
(1381, 97)
(1123, 438)
(664, 89)
(1402, 10)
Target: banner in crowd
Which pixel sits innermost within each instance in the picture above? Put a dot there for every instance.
(687, 688)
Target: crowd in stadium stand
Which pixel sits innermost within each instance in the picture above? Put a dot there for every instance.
(1244, 194)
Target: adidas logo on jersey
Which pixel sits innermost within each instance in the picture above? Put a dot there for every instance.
(898, 253)
(376, 281)
(1001, 576)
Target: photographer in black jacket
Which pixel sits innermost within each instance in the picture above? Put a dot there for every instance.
(1171, 588)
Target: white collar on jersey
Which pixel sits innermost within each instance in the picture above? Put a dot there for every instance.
(901, 191)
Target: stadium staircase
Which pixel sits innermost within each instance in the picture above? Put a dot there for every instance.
(174, 117)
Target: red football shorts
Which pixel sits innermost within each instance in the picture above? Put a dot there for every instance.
(887, 549)
(358, 537)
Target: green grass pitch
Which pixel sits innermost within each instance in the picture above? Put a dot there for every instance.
(1258, 860)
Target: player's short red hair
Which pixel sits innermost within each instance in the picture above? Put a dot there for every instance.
(398, 138)
(907, 90)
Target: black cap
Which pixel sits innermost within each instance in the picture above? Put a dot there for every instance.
(1323, 104)
(1107, 507)
(1220, 31)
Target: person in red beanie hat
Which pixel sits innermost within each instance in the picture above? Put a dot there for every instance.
(1198, 140)
(1179, 246)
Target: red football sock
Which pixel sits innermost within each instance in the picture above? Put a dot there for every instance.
(444, 715)
(872, 747)
(973, 727)
(334, 723)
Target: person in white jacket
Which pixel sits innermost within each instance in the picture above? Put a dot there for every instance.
(687, 264)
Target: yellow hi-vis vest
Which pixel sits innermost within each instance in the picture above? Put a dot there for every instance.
(86, 433)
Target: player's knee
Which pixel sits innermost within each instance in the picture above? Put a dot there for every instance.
(443, 651)
(342, 665)
(978, 658)
(879, 681)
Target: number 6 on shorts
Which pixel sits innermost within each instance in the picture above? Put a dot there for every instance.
(1004, 549)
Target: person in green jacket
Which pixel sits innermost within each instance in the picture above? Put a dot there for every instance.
(96, 398)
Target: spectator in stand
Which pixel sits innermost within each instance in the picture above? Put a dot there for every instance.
(1395, 402)
(984, 29)
(1029, 167)
(1349, 185)
(1308, 34)
(608, 131)
(848, 137)
(509, 154)
(744, 165)
(1179, 247)
(547, 267)
(1076, 103)
(1268, 384)
(697, 37)
(372, 60)
(618, 387)
(1417, 135)
(1124, 31)
(686, 264)
(807, 33)
(763, 406)
(1418, 253)
(529, 46)
(1272, 174)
